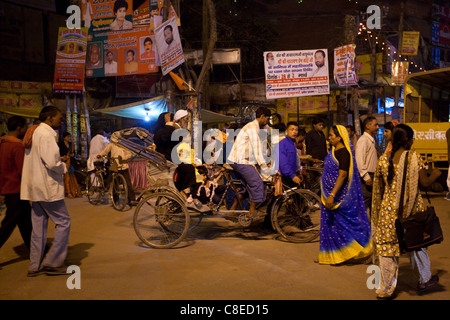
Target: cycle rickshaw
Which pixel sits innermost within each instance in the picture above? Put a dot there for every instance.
(162, 218)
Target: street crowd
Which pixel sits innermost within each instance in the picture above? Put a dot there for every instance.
(359, 186)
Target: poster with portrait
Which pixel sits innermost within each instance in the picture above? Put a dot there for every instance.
(70, 61)
(99, 15)
(169, 45)
(119, 53)
(344, 66)
(296, 73)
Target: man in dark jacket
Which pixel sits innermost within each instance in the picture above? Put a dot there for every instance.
(316, 142)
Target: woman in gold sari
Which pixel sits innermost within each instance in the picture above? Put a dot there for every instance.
(387, 186)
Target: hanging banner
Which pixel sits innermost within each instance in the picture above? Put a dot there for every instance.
(142, 12)
(118, 53)
(105, 15)
(150, 12)
(410, 42)
(296, 73)
(440, 25)
(169, 45)
(70, 60)
(399, 72)
(344, 66)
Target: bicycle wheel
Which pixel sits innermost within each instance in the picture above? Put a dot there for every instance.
(119, 192)
(296, 215)
(161, 220)
(94, 187)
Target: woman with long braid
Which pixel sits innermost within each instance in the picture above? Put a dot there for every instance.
(385, 203)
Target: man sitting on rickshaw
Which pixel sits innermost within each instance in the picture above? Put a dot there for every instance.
(245, 154)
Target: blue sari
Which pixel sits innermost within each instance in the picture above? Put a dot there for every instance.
(345, 229)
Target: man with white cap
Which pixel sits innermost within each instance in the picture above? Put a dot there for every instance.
(163, 137)
(180, 119)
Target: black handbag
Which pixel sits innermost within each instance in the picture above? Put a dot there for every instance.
(419, 230)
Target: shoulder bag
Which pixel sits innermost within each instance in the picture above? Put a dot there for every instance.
(419, 230)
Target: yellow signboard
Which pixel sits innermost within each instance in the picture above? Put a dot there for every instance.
(430, 138)
(410, 42)
(363, 63)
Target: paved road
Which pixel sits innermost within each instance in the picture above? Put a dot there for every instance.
(221, 261)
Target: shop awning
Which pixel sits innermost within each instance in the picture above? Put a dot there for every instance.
(154, 107)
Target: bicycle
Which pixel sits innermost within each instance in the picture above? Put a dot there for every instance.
(313, 170)
(96, 189)
(162, 219)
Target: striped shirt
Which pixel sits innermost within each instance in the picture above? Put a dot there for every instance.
(247, 148)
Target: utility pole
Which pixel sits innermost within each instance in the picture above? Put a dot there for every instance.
(395, 110)
(350, 34)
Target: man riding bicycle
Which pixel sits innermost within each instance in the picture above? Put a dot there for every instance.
(120, 156)
(245, 154)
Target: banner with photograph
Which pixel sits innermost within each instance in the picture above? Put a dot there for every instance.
(169, 45)
(119, 53)
(100, 15)
(344, 66)
(70, 60)
(296, 73)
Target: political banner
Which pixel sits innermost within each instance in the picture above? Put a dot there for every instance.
(105, 15)
(296, 73)
(169, 45)
(70, 60)
(145, 12)
(344, 66)
(119, 53)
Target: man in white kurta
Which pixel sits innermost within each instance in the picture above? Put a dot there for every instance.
(43, 185)
(97, 145)
(122, 165)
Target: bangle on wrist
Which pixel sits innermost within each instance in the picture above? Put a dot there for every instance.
(332, 194)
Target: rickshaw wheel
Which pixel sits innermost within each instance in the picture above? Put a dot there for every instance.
(119, 192)
(94, 187)
(161, 220)
(296, 215)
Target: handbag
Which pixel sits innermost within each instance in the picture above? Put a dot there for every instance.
(419, 230)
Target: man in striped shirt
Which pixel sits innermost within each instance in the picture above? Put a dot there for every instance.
(247, 152)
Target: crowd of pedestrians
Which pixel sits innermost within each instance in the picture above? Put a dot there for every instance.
(359, 186)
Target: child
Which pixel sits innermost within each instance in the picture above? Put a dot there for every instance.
(208, 192)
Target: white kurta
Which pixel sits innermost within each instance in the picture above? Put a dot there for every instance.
(43, 171)
(97, 145)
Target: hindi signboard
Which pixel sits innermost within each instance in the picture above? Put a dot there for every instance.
(118, 53)
(70, 61)
(399, 72)
(296, 73)
(105, 15)
(410, 42)
(344, 66)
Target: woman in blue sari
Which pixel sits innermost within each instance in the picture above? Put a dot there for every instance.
(344, 227)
